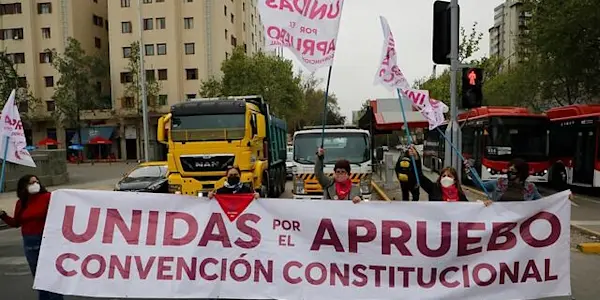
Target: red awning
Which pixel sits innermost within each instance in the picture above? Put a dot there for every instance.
(388, 115)
(48, 142)
(98, 140)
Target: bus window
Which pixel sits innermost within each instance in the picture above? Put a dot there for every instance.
(598, 145)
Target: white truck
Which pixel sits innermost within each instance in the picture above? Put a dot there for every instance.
(341, 142)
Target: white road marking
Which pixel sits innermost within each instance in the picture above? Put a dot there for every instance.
(13, 261)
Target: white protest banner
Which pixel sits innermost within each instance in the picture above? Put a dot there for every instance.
(389, 74)
(309, 28)
(130, 245)
(13, 128)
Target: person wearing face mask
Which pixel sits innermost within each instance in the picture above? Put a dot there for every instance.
(30, 214)
(233, 185)
(340, 187)
(515, 186)
(446, 188)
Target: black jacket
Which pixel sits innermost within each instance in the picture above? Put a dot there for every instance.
(433, 189)
(408, 170)
(244, 189)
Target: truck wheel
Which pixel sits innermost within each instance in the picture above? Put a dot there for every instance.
(283, 180)
(264, 188)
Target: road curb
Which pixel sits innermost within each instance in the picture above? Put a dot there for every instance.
(589, 248)
(380, 191)
(3, 225)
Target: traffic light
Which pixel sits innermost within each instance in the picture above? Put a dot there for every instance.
(442, 32)
(472, 83)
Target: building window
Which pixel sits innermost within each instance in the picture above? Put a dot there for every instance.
(243, 6)
(50, 106)
(125, 3)
(44, 8)
(149, 50)
(49, 81)
(98, 42)
(10, 9)
(162, 74)
(159, 1)
(226, 34)
(45, 57)
(244, 26)
(190, 96)
(126, 77)
(233, 41)
(17, 58)
(232, 19)
(225, 9)
(11, 34)
(189, 48)
(191, 74)
(46, 33)
(188, 23)
(148, 24)
(126, 27)
(147, 1)
(126, 52)
(22, 82)
(127, 102)
(226, 55)
(161, 23)
(163, 100)
(161, 49)
(150, 75)
(98, 21)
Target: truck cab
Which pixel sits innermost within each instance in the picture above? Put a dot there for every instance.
(341, 142)
(207, 136)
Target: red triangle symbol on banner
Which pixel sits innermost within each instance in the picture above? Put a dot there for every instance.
(234, 205)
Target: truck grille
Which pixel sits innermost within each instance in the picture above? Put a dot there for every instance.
(206, 163)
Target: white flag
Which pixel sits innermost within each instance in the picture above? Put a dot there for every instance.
(433, 110)
(13, 129)
(389, 74)
(308, 28)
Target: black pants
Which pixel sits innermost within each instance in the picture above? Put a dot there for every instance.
(409, 189)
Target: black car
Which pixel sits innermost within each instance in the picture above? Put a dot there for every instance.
(148, 177)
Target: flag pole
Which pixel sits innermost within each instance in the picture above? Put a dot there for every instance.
(409, 138)
(5, 153)
(325, 107)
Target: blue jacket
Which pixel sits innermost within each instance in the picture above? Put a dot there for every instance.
(497, 188)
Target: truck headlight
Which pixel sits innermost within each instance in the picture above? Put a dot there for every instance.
(365, 185)
(299, 186)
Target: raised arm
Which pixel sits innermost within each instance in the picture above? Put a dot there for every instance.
(323, 179)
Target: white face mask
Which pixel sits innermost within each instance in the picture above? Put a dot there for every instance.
(33, 188)
(446, 181)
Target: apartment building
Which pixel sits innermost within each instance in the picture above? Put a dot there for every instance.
(28, 28)
(183, 42)
(510, 20)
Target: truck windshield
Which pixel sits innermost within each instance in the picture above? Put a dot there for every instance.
(513, 137)
(208, 127)
(353, 147)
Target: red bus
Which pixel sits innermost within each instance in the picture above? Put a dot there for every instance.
(491, 138)
(574, 140)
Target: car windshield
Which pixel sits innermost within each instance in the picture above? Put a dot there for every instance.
(208, 127)
(511, 137)
(149, 172)
(353, 147)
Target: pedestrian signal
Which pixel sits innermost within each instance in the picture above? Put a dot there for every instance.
(472, 84)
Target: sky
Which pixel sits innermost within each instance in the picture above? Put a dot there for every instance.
(360, 41)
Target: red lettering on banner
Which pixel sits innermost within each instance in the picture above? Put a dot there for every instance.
(502, 230)
(464, 240)
(16, 125)
(302, 45)
(130, 231)
(311, 9)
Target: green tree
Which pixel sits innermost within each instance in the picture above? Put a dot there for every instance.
(133, 88)
(9, 80)
(561, 45)
(211, 87)
(78, 88)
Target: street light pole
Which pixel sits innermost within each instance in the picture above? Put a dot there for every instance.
(142, 82)
(453, 130)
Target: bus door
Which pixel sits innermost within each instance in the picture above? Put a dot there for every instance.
(478, 148)
(583, 160)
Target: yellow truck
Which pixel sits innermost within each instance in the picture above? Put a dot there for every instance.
(341, 142)
(207, 136)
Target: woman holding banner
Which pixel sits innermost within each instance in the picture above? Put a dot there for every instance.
(340, 187)
(31, 210)
(233, 185)
(515, 187)
(446, 188)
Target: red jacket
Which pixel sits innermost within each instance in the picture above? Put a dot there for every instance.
(33, 218)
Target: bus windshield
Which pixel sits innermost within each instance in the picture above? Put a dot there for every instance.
(353, 147)
(208, 127)
(514, 137)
